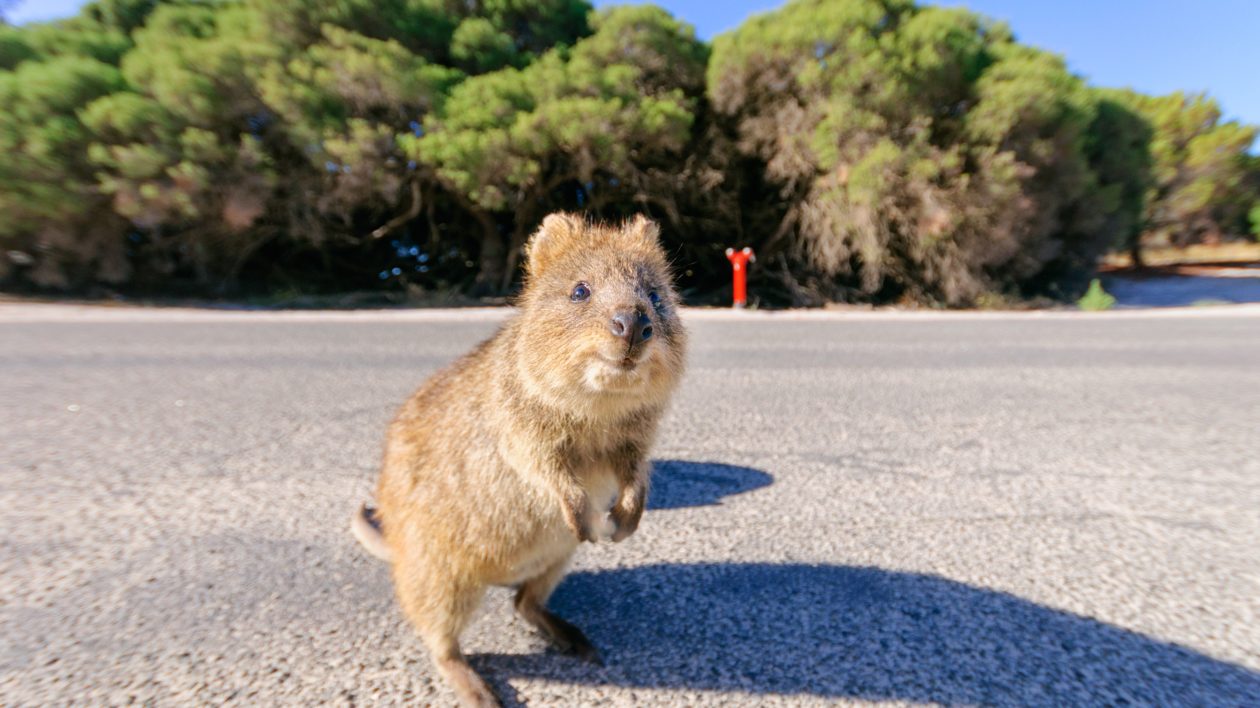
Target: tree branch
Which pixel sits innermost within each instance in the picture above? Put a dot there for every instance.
(412, 212)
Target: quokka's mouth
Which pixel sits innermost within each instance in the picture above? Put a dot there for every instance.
(625, 362)
(622, 373)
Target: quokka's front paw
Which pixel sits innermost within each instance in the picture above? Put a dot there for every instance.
(576, 511)
(625, 522)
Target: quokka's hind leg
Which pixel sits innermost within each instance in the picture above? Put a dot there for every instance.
(440, 608)
(531, 605)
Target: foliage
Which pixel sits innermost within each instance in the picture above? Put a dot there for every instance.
(1119, 150)
(581, 121)
(52, 213)
(868, 149)
(15, 47)
(923, 153)
(1200, 168)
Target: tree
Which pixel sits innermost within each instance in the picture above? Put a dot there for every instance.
(1199, 187)
(1119, 148)
(922, 152)
(270, 125)
(342, 102)
(591, 122)
(52, 212)
(185, 155)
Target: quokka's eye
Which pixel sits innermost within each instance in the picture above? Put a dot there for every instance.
(581, 292)
(656, 299)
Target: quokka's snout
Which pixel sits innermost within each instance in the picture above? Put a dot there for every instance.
(633, 327)
(499, 466)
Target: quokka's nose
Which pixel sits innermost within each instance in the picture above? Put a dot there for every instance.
(631, 326)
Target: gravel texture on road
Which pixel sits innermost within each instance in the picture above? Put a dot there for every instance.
(1014, 510)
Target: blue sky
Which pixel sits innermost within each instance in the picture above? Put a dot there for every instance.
(1156, 46)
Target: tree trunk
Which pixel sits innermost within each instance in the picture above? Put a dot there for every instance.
(490, 260)
(1135, 252)
(515, 248)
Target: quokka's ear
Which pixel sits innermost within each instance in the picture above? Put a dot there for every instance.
(644, 228)
(557, 232)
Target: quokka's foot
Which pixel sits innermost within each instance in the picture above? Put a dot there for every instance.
(470, 688)
(570, 640)
(564, 637)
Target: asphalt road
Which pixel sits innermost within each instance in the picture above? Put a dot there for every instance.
(1023, 509)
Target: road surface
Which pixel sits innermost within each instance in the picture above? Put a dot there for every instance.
(1007, 509)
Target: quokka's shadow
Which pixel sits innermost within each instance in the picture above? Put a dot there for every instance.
(865, 633)
(678, 483)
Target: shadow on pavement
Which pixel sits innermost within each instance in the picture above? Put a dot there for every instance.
(863, 633)
(1183, 290)
(677, 484)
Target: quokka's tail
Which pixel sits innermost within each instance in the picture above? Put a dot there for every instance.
(366, 527)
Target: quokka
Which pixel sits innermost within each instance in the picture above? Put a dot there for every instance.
(498, 467)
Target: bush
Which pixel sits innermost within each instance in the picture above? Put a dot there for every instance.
(1095, 298)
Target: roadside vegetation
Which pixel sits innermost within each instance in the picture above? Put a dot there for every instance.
(869, 150)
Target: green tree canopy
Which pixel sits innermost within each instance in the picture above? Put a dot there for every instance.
(583, 118)
(921, 151)
(1199, 183)
(51, 209)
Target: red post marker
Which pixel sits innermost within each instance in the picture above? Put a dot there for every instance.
(739, 267)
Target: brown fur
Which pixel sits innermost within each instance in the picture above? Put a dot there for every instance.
(498, 467)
